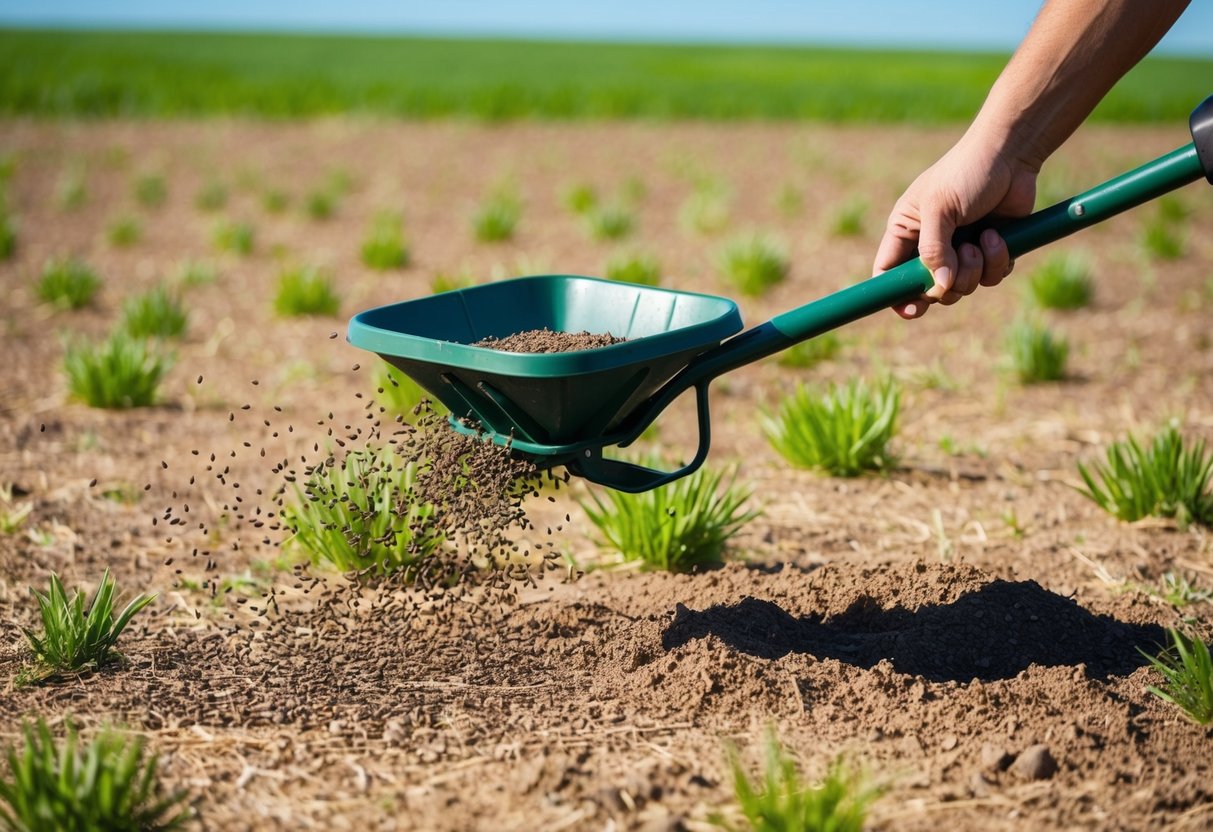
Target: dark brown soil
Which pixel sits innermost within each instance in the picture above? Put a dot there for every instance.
(548, 341)
(967, 627)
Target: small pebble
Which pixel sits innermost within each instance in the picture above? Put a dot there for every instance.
(1035, 763)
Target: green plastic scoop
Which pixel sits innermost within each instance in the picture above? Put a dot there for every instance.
(565, 408)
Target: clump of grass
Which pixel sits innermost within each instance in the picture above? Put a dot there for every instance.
(848, 219)
(676, 527)
(109, 783)
(754, 263)
(385, 246)
(811, 352)
(1187, 671)
(361, 514)
(1162, 238)
(321, 203)
(1165, 479)
(71, 192)
(783, 801)
(1173, 208)
(497, 218)
(581, 198)
(634, 267)
(790, 200)
(1062, 281)
(68, 283)
(275, 201)
(234, 237)
(8, 234)
(150, 190)
(305, 291)
(191, 274)
(158, 313)
(212, 196)
(74, 639)
(844, 431)
(450, 281)
(123, 232)
(705, 211)
(610, 222)
(121, 372)
(1037, 355)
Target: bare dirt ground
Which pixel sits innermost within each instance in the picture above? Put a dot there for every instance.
(932, 624)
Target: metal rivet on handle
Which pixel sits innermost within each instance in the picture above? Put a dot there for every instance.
(1079, 210)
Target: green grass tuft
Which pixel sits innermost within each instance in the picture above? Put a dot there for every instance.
(68, 283)
(844, 431)
(1162, 238)
(8, 234)
(450, 282)
(212, 196)
(71, 191)
(1165, 479)
(754, 263)
(1037, 355)
(634, 267)
(497, 218)
(1187, 671)
(809, 353)
(610, 222)
(581, 198)
(75, 639)
(848, 218)
(1063, 281)
(157, 313)
(275, 201)
(233, 237)
(305, 291)
(706, 210)
(150, 190)
(783, 801)
(361, 514)
(109, 783)
(124, 232)
(385, 246)
(192, 274)
(321, 203)
(121, 372)
(677, 527)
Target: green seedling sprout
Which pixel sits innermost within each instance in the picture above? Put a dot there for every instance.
(497, 218)
(1062, 282)
(634, 267)
(212, 196)
(677, 527)
(119, 373)
(158, 313)
(150, 190)
(75, 639)
(610, 222)
(754, 263)
(109, 783)
(123, 232)
(782, 800)
(234, 237)
(1187, 672)
(385, 246)
(844, 431)
(360, 515)
(1163, 479)
(67, 283)
(305, 291)
(1037, 354)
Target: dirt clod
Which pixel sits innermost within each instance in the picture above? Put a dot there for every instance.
(1034, 763)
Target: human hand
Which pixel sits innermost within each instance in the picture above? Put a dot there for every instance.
(974, 179)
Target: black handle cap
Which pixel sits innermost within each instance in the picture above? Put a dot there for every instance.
(1201, 123)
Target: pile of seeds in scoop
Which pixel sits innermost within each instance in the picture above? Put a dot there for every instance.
(548, 341)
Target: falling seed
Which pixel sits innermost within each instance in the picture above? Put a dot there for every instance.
(92, 483)
(332, 336)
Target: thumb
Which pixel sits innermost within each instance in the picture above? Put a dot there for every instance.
(935, 249)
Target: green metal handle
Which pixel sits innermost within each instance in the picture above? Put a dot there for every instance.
(912, 278)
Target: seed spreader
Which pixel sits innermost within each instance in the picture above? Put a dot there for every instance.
(567, 408)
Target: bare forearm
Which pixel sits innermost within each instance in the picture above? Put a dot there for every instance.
(1074, 53)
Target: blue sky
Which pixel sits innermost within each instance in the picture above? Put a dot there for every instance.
(944, 23)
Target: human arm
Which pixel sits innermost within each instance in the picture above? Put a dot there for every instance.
(1075, 51)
